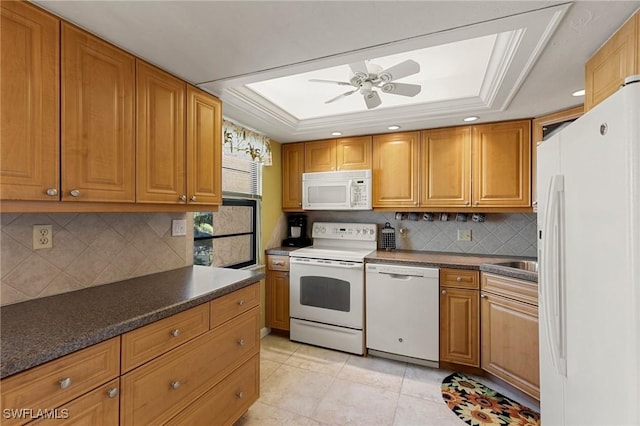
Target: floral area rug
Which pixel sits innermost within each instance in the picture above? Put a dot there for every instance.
(477, 405)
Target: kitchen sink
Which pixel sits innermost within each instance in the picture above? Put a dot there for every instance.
(524, 265)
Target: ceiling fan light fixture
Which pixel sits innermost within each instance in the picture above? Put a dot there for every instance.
(471, 118)
(578, 93)
(393, 127)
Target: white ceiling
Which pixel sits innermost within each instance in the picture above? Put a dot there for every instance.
(222, 46)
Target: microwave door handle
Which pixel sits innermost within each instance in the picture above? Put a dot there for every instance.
(350, 193)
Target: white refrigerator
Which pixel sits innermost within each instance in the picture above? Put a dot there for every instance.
(588, 179)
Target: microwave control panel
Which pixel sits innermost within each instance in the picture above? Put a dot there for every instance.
(360, 193)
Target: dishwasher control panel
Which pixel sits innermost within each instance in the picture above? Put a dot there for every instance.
(389, 269)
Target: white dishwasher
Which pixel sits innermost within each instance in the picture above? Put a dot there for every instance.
(402, 312)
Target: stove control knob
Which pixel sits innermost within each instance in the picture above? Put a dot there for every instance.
(358, 231)
(371, 231)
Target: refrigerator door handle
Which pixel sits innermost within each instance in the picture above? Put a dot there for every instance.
(553, 281)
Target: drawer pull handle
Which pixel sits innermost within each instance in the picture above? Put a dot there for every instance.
(175, 385)
(459, 279)
(241, 342)
(65, 383)
(241, 302)
(112, 393)
(240, 394)
(175, 332)
(278, 263)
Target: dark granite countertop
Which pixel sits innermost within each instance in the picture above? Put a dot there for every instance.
(481, 262)
(40, 330)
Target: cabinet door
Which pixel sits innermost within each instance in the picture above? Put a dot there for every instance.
(320, 156)
(395, 170)
(353, 153)
(502, 164)
(204, 148)
(29, 135)
(98, 145)
(616, 59)
(445, 157)
(277, 299)
(292, 168)
(160, 146)
(510, 342)
(460, 326)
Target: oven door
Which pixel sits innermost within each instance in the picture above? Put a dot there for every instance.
(327, 291)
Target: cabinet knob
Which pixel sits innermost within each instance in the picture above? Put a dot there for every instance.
(75, 192)
(299, 204)
(241, 342)
(241, 302)
(193, 198)
(175, 385)
(240, 394)
(458, 279)
(467, 203)
(483, 296)
(52, 192)
(175, 332)
(112, 393)
(183, 198)
(535, 203)
(65, 383)
(444, 291)
(477, 203)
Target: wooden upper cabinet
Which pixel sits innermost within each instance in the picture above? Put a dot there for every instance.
(30, 112)
(338, 154)
(445, 157)
(160, 135)
(502, 164)
(320, 156)
(98, 141)
(353, 153)
(292, 169)
(395, 169)
(618, 58)
(204, 148)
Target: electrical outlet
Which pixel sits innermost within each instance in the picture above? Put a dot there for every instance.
(178, 228)
(464, 234)
(42, 236)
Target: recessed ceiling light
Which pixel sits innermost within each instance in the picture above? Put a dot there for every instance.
(578, 93)
(336, 133)
(394, 127)
(472, 118)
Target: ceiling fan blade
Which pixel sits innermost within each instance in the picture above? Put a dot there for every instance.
(402, 89)
(345, 94)
(398, 71)
(359, 69)
(341, 83)
(372, 99)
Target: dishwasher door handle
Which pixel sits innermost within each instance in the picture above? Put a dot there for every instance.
(400, 276)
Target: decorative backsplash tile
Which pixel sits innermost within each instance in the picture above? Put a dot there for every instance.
(88, 249)
(503, 234)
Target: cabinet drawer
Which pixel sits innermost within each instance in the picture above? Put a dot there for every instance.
(161, 388)
(227, 401)
(54, 383)
(98, 407)
(146, 343)
(278, 263)
(227, 307)
(461, 278)
(523, 291)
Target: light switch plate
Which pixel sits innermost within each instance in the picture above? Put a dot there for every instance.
(42, 236)
(178, 228)
(464, 234)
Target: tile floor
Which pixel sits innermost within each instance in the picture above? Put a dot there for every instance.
(307, 385)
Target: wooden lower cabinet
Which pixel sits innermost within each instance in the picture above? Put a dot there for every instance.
(510, 334)
(277, 292)
(459, 317)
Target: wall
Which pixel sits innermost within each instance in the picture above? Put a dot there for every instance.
(88, 249)
(504, 234)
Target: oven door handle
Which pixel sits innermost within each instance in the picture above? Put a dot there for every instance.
(329, 263)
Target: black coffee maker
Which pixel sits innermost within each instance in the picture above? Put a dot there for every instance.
(297, 232)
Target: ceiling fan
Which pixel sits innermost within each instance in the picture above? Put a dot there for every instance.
(366, 78)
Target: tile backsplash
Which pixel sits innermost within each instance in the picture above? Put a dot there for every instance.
(504, 234)
(88, 249)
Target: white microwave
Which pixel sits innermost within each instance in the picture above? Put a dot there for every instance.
(337, 190)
